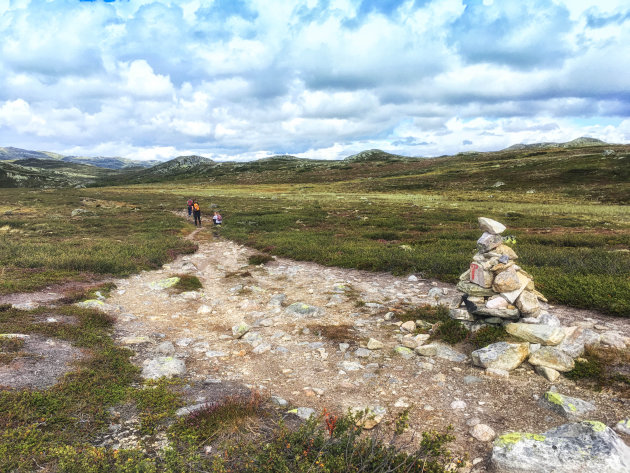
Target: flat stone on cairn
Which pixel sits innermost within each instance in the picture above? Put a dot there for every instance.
(495, 285)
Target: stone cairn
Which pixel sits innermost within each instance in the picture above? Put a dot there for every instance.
(496, 289)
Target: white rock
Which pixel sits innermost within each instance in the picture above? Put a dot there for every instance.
(204, 309)
(374, 344)
(491, 226)
(458, 405)
(408, 326)
(483, 433)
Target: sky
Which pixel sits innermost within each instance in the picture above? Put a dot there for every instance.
(245, 79)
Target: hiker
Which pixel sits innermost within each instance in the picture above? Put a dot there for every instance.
(217, 219)
(190, 204)
(196, 213)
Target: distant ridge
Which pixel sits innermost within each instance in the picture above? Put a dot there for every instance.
(373, 155)
(576, 143)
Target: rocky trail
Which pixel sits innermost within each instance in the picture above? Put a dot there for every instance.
(316, 337)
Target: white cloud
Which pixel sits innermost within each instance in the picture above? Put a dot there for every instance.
(156, 79)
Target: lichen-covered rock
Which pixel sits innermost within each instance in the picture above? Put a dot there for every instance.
(510, 314)
(164, 283)
(501, 355)
(511, 296)
(534, 333)
(490, 226)
(505, 250)
(302, 309)
(623, 426)
(403, 351)
(240, 329)
(584, 447)
(566, 406)
(551, 357)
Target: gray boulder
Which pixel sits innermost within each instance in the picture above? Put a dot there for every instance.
(583, 447)
(166, 366)
(576, 339)
(570, 407)
(490, 226)
(488, 241)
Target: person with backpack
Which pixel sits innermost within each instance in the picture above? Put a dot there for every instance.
(190, 205)
(217, 219)
(196, 213)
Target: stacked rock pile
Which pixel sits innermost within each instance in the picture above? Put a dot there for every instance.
(495, 288)
(498, 291)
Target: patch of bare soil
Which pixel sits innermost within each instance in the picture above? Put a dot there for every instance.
(300, 354)
(52, 293)
(39, 364)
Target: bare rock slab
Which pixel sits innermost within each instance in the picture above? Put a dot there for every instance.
(584, 447)
(166, 366)
(533, 333)
(501, 355)
(566, 406)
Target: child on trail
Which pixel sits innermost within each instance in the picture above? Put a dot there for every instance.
(217, 219)
(196, 213)
(190, 205)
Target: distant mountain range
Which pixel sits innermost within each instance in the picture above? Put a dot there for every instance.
(13, 154)
(25, 168)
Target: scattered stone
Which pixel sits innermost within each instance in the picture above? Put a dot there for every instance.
(204, 309)
(374, 344)
(362, 353)
(483, 433)
(566, 406)
(262, 348)
(278, 401)
(501, 355)
(166, 366)
(304, 413)
(350, 366)
(548, 373)
(551, 357)
(497, 373)
(30, 305)
(412, 278)
(425, 366)
(215, 354)
(139, 340)
(435, 293)
(623, 426)
(458, 405)
(187, 410)
(277, 300)
(368, 417)
(585, 447)
(165, 348)
(472, 422)
(549, 319)
(461, 314)
(490, 226)
(343, 347)
(408, 326)
(240, 329)
(543, 334)
(92, 304)
(470, 379)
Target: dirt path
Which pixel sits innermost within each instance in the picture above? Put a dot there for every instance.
(299, 357)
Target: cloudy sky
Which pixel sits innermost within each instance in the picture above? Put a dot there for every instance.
(243, 79)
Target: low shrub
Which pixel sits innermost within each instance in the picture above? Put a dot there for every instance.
(488, 335)
(259, 258)
(450, 331)
(603, 368)
(187, 282)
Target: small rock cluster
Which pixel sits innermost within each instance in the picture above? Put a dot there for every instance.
(495, 287)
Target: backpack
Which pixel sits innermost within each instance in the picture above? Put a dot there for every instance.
(190, 202)
(196, 206)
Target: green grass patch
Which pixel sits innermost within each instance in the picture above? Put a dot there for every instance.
(187, 282)
(603, 368)
(259, 258)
